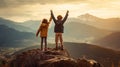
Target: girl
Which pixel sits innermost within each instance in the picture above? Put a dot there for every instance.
(43, 30)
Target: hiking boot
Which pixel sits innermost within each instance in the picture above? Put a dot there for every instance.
(45, 49)
(62, 47)
(56, 48)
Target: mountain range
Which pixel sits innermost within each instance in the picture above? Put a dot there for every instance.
(73, 29)
(85, 28)
(83, 32)
(108, 24)
(14, 25)
(111, 41)
(31, 24)
(112, 24)
(10, 37)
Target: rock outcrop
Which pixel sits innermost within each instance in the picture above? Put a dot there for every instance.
(50, 58)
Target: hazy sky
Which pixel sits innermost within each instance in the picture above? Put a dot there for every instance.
(22, 10)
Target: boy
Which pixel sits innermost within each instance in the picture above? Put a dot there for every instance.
(59, 28)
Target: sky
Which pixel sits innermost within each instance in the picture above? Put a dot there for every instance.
(23, 10)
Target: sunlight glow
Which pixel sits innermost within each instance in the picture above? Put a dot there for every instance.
(103, 9)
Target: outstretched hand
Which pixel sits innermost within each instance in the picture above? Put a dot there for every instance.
(67, 11)
(51, 11)
(36, 35)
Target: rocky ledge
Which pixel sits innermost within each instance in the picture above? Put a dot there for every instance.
(50, 58)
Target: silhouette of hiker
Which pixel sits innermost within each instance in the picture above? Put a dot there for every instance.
(59, 28)
(43, 30)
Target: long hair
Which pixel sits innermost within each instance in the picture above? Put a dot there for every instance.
(44, 21)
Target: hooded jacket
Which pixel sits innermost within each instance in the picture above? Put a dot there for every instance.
(43, 29)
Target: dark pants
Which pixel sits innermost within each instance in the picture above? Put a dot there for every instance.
(44, 40)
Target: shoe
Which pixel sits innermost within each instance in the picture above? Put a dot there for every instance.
(45, 49)
(62, 47)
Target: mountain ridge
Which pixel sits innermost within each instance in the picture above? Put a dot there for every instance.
(10, 37)
(14, 25)
(110, 41)
(108, 23)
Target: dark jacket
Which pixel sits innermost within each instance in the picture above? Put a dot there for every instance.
(59, 28)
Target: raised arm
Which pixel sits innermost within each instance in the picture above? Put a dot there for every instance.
(52, 15)
(66, 16)
(50, 20)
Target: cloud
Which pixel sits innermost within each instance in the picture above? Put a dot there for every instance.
(15, 3)
(20, 10)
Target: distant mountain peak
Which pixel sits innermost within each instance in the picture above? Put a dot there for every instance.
(89, 17)
(1, 18)
(5, 19)
(87, 14)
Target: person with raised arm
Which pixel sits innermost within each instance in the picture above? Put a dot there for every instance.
(43, 31)
(59, 28)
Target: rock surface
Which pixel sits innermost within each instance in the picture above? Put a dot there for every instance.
(50, 58)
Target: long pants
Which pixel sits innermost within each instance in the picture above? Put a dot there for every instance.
(44, 40)
(58, 36)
